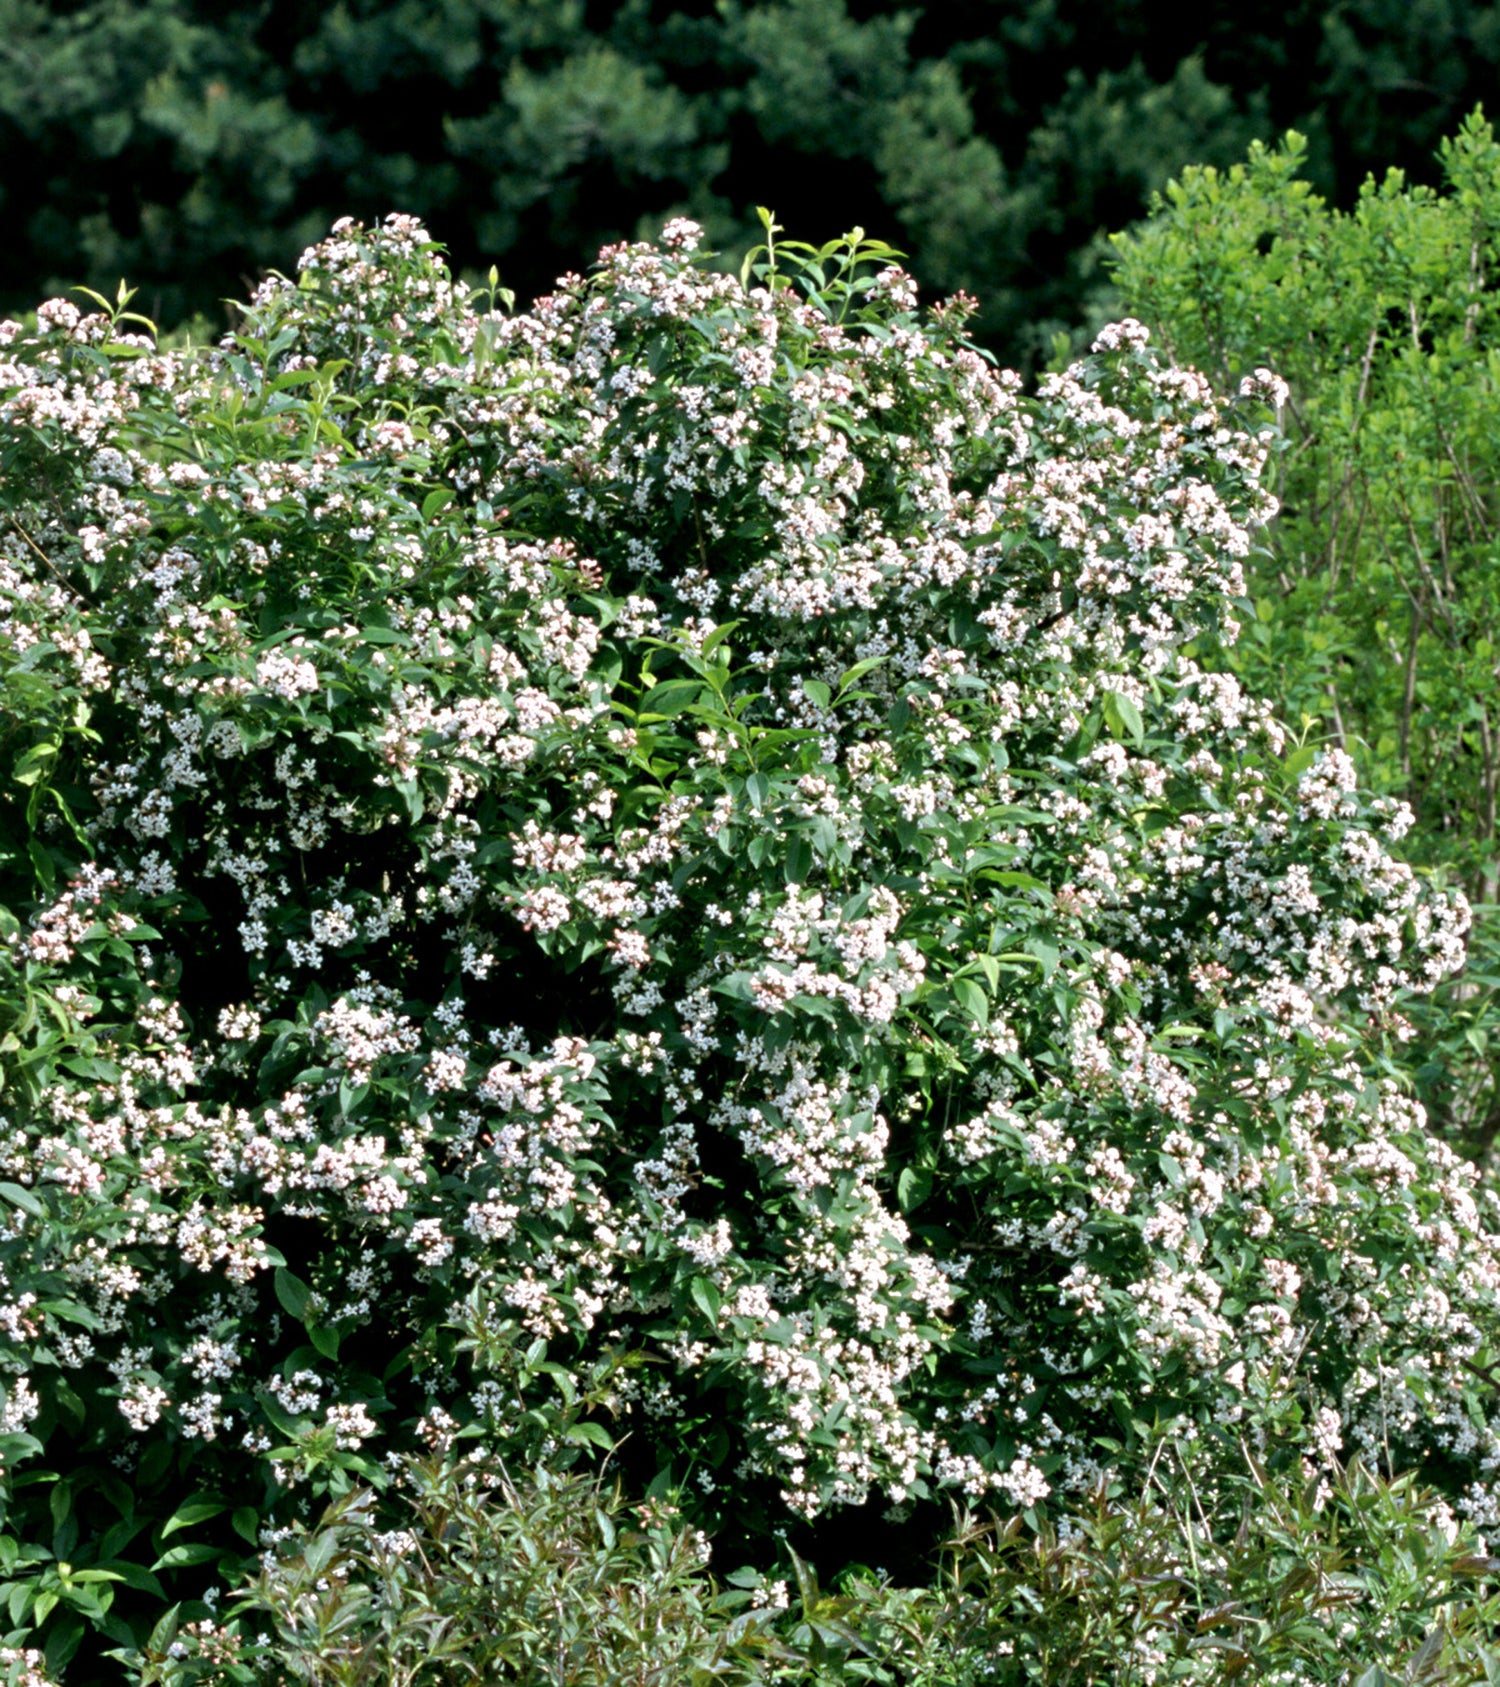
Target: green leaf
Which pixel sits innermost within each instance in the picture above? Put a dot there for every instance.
(154, 1461)
(972, 999)
(23, 1198)
(42, 863)
(594, 1434)
(717, 637)
(706, 1298)
(823, 834)
(179, 1557)
(1046, 953)
(136, 1576)
(165, 1631)
(799, 858)
(291, 1291)
(317, 1555)
(410, 793)
(71, 1311)
(1428, 1652)
(1123, 718)
(670, 698)
(850, 675)
(352, 1097)
(293, 378)
(325, 1340)
(912, 1188)
(194, 1511)
(35, 763)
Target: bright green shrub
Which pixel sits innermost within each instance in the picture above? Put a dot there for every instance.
(1362, 1583)
(661, 865)
(1382, 595)
(1378, 595)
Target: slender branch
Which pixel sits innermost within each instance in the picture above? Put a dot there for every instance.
(1409, 690)
(46, 561)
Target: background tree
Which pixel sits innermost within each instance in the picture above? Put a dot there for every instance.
(189, 145)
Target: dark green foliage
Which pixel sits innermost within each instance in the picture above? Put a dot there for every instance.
(539, 1581)
(188, 145)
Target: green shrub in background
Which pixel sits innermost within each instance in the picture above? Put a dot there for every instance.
(1378, 593)
(662, 870)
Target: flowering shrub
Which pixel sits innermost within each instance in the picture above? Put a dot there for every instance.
(664, 865)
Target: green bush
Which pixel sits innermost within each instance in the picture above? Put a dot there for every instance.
(1378, 595)
(552, 1581)
(558, 1582)
(663, 867)
(1353, 1581)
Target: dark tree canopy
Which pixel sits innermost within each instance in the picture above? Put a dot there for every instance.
(183, 143)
